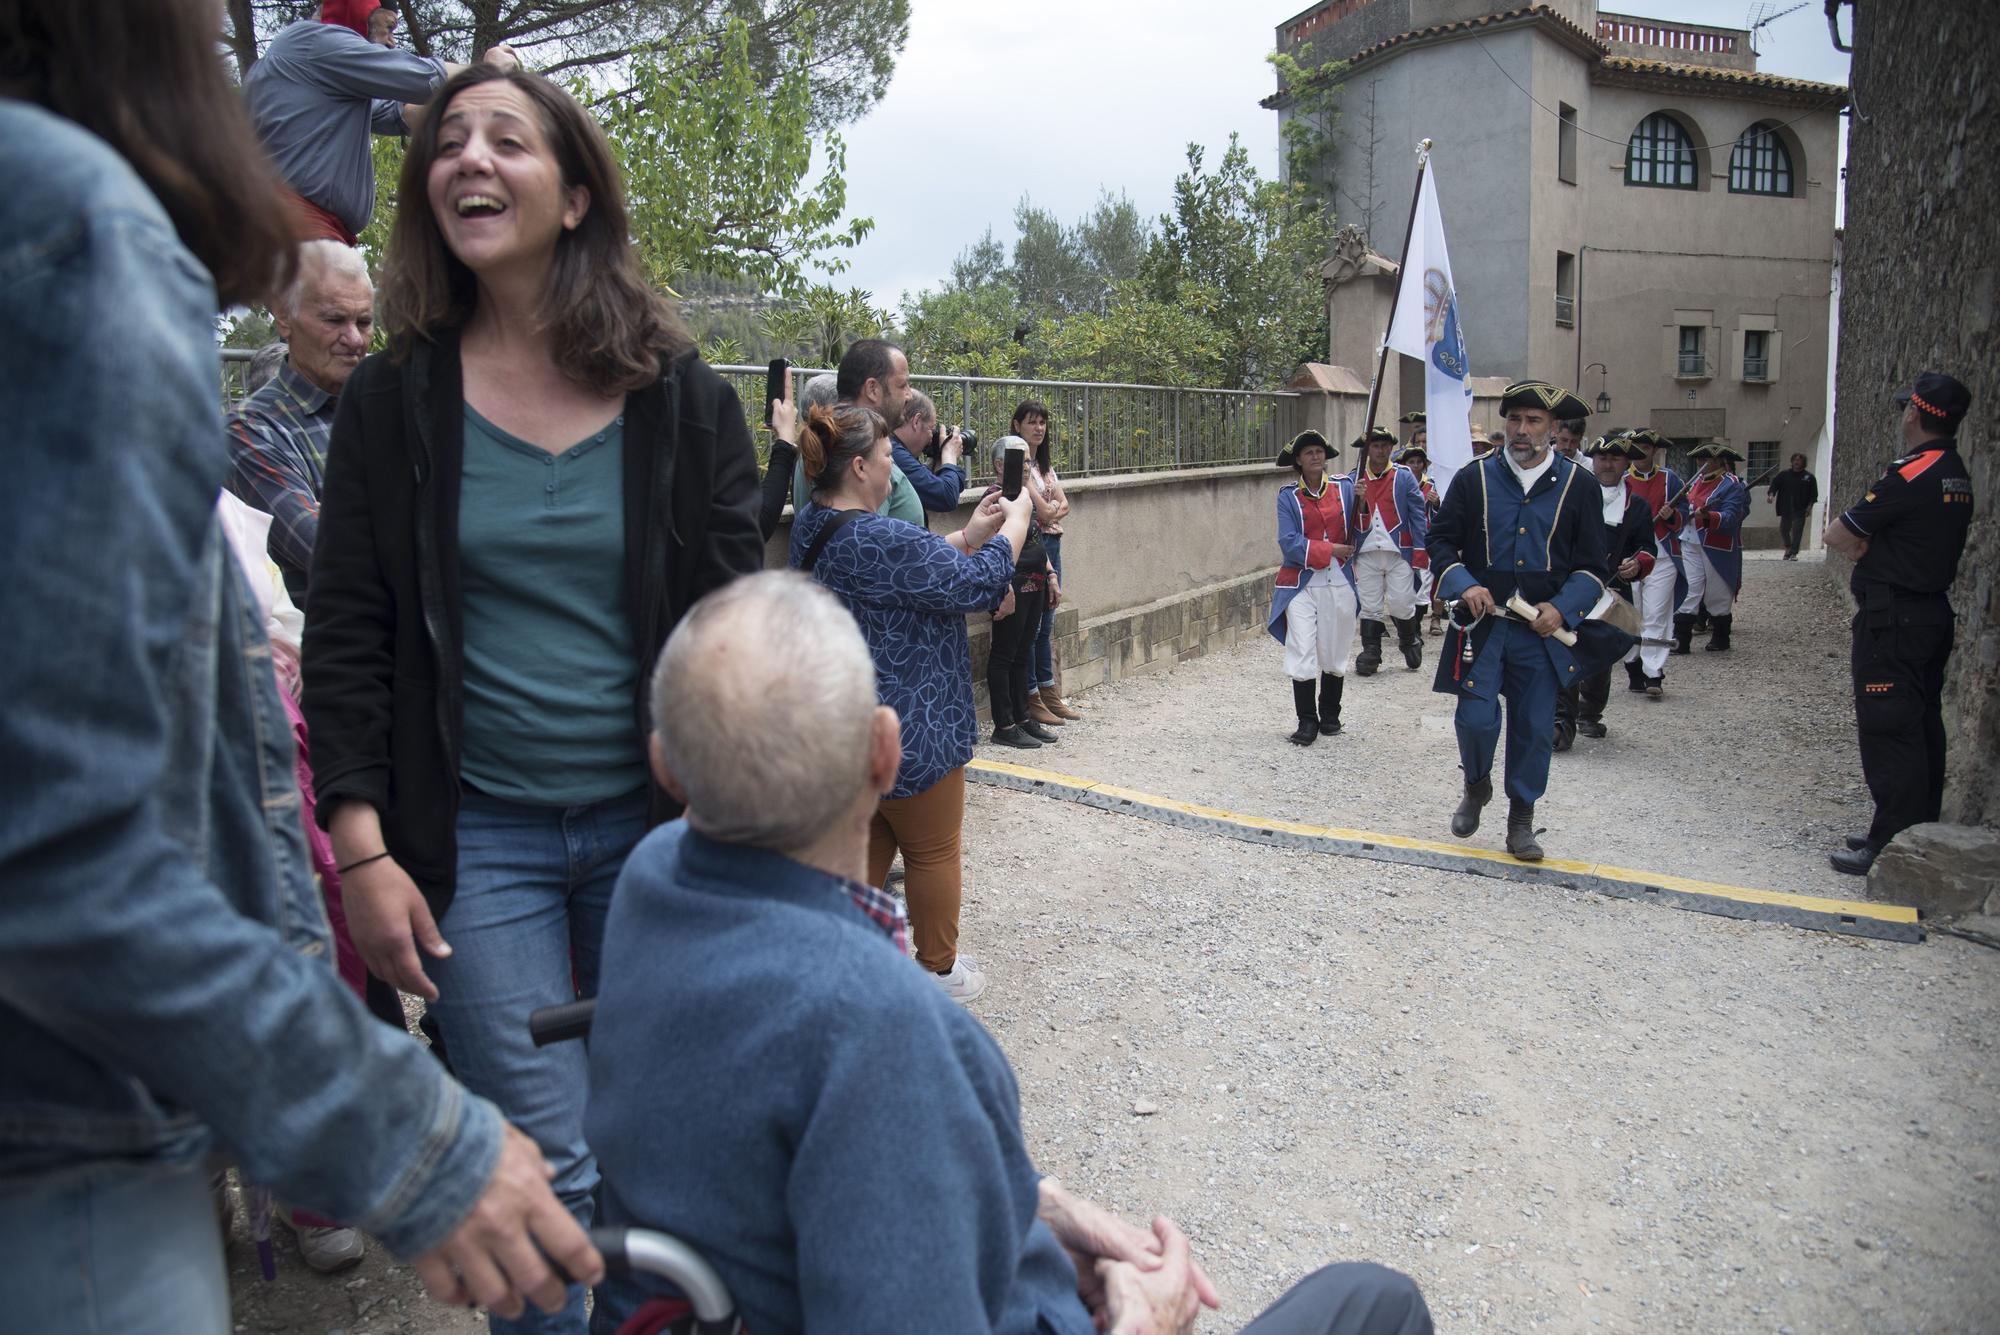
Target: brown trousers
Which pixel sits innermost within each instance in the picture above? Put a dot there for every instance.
(927, 829)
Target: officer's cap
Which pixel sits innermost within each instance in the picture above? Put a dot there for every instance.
(1554, 400)
(1939, 397)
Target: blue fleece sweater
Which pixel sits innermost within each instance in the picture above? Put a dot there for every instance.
(773, 1082)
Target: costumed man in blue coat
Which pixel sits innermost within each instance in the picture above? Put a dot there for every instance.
(1314, 605)
(1390, 519)
(1711, 546)
(1522, 521)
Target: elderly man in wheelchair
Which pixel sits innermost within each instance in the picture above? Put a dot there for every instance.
(775, 1084)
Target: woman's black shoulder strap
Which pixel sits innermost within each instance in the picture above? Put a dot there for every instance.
(839, 520)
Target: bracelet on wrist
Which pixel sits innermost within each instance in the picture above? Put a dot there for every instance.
(361, 862)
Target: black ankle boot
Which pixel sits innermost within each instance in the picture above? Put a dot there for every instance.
(1465, 820)
(1329, 703)
(1410, 639)
(1302, 701)
(1683, 633)
(1566, 699)
(1635, 676)
(1718, 633)
(1521, 831)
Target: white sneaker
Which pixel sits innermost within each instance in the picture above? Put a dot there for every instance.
(962, 984)
(326, 1250)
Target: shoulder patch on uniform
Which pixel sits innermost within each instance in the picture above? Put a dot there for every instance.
(1869, 497)
(1918, 465)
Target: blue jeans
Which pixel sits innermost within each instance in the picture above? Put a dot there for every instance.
(113, 1249)
(526, 928)
(1042, 671)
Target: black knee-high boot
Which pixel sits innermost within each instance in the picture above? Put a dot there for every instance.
(1718, 631)
(1683, 633)
(1329, 703)
(1302, 702)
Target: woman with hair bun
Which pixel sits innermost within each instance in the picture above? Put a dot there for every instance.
(910, 590)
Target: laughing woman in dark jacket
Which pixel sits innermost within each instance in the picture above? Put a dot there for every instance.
(522, 497)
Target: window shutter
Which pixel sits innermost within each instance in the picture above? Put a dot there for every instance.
(1772, 342)
(1736, 354)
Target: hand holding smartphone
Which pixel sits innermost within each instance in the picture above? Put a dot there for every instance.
(1011, 468)
(777, 385)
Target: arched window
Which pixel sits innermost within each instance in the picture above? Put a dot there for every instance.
(1760, 163)
(1660, 154)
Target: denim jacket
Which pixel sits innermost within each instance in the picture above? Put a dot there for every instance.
(164, 981)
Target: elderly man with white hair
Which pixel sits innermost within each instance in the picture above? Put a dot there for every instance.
(775, 1083)
(277, 436)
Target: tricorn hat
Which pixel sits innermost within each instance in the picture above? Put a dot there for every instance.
(1287, 456)
(1361, 443)
(1614, 444)
(1554, 400)
(1643, 435)
(1724, 450)
(1412, 448)
(1412, 418)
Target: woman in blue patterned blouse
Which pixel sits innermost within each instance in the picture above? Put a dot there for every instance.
(910, 590)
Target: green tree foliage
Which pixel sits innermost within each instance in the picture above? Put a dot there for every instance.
(817, 328)
(966, 330)
(855, 43)
(1138, 340)
(1257, 246)
(719, 170)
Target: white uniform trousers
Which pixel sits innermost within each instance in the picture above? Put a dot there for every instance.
(1656, 613)
(1705, 586)
(1424, 587)
(1385, 585)
(1319, 626)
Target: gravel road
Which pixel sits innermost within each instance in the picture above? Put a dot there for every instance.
(1558, 1111)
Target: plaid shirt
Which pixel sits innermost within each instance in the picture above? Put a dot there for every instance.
(883, 909)
(277, 453)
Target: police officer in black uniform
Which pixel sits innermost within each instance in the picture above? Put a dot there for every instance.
(1905, 538)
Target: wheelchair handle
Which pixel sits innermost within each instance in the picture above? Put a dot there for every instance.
(558, 1024)
(641, 1251)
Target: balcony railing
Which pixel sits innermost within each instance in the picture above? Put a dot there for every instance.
(1565, 310)
(1756, 368)
(1693, 366)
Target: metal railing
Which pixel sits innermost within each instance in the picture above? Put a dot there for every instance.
(1693, 366)
(1756, 368)
(1565, 310)
(1095, 427)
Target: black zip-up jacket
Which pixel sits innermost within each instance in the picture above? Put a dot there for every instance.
(1630, 536)
(382, 660)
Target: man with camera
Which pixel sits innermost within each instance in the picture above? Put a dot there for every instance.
(937, 474)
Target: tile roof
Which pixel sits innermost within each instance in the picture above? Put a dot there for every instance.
(1542, 12)
(1635, 69)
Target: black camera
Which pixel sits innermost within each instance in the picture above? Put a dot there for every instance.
(935, 450)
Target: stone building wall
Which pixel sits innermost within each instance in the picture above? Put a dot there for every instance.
(1922, 247)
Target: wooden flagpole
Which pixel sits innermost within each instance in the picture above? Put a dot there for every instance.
(1402, 276)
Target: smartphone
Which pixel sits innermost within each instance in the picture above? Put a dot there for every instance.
(1010, 469)
(777, 384)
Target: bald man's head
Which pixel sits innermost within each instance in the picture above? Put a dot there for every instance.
(765, 713)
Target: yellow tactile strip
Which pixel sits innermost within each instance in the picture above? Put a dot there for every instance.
(1893, 922)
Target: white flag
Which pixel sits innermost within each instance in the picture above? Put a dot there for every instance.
(1426, 326)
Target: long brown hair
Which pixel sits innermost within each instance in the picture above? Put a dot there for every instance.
(611, 329)
(144, 76)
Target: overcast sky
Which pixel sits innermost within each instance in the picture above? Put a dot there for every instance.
(1060, 100)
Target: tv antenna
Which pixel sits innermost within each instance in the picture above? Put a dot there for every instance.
(1766, 12)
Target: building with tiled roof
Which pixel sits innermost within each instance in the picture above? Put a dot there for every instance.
(1620, 192)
